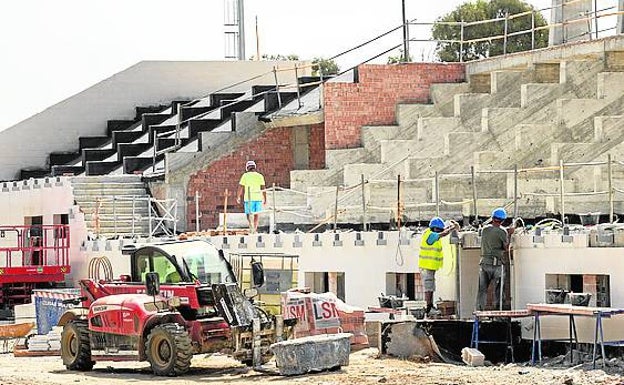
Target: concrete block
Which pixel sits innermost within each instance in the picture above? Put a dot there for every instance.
(472, 357)
(24, 311)
(312, 354)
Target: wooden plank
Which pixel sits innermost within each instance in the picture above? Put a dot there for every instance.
(573, 310)
(504, 313)
(21, 351)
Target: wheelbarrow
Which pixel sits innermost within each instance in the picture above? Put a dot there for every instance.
(13, 332)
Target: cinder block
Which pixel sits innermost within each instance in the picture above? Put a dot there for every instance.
(472, 357)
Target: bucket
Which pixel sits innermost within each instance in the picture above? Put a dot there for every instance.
(579, 299)
(556, 295)
(391, 302)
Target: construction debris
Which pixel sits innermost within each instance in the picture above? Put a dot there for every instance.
(408, 340)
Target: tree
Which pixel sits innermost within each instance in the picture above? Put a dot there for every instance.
(324, 67)
(483, 10)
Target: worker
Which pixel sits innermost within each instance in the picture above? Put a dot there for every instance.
(252, 185)
(431, 257)
(494, 242)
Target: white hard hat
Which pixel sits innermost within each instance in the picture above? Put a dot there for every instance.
(250, 163)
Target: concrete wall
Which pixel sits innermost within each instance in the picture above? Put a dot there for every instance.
(28, 143)
(273, 153)
(564, 11)
(46, 197)
(373, 98)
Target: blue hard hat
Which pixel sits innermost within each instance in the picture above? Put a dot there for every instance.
(436, 222)
(499, 213)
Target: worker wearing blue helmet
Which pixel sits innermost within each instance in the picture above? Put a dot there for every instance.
(431, 257)
(494, 242)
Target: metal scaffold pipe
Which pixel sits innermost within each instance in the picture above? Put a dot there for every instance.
(561, 197)
(611, 202)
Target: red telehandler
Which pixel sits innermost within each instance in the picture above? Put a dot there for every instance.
(180, 299)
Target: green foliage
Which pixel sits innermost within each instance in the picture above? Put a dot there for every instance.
(291, 57)
(324, 67)
(400, 58)
(483, 10)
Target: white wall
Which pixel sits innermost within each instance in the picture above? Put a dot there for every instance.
(534, 260)
(365, 267)
(28, 143)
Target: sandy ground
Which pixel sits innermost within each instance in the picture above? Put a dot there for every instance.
(364, 368)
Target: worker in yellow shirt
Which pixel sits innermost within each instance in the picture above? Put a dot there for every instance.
(252, 185)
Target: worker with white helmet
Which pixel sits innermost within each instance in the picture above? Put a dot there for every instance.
(430, 258)
(494, 242)
(251, 187)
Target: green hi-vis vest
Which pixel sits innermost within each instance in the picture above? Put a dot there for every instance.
(431, 256)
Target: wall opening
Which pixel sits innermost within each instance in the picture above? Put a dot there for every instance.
(405, 285)
(323, 282)
(301, 147)
(598, 285)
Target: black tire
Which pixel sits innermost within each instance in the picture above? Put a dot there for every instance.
(169, 350)
(76, 347)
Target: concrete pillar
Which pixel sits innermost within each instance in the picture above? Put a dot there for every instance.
(620, 20)
(333, 282)
(566, 11)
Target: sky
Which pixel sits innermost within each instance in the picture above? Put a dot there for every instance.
(53, 49)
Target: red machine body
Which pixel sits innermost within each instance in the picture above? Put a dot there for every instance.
(30, 257)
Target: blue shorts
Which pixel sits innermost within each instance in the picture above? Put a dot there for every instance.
(253, 207)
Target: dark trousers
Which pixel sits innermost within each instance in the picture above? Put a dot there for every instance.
(487, 275)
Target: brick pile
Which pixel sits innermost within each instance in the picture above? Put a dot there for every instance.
(324, 314)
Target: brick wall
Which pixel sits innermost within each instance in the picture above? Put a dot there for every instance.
(372, 101)
(272, 152)
(317, 147)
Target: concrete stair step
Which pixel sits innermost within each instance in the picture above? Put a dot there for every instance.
(443, 95)
(375, 171)
(107, 192)
(463, 144)
(609, 129)
(610, 85)
(120, 203)
(300, 180)
(424, 167)
(335, 159)
(467, 104)
(79, 186)
(407, 114)
(399, 150)
(107, 179)
(372, 135)
(532, 93)
(507, 81)
(435, 126)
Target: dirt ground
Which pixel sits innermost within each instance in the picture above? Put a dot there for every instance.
(364, 368)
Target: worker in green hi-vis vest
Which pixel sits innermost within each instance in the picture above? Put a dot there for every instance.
(431, 257)
(253, 186)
